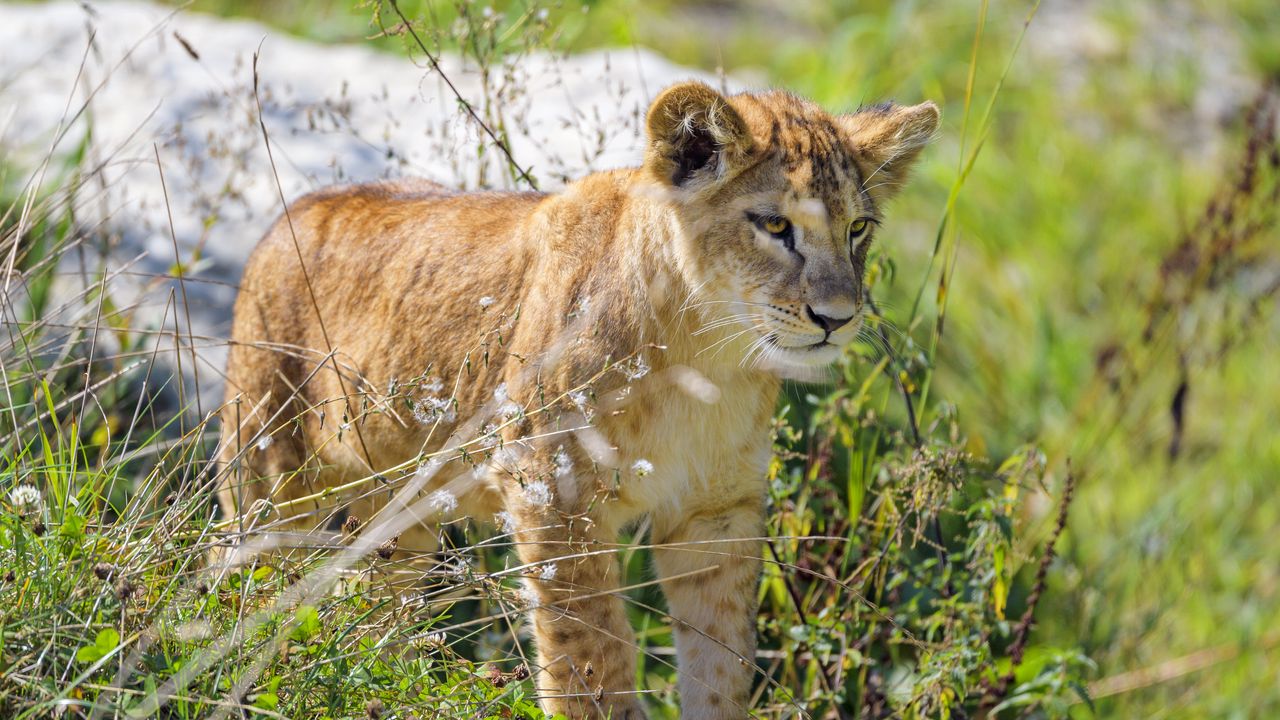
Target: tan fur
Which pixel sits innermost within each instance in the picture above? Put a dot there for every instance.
(638, 316)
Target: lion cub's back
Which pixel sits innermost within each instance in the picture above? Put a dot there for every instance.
(398, 271)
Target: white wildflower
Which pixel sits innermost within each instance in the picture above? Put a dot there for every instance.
(435, 640)
(461, 569)
(442, 501)
(583, 308)
(538, 493)
(506, 521)
(579, 399)
(25, 498)
(547, 572)
(486, 301)
(543, 14)
(564, 463)
(428, 469)
(529, 597)
(264, 442)
(431, 410)
(636, 369)
(488, 437)
(642, 467)
(506, 408)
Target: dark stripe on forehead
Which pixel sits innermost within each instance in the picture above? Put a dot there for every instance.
(804, 139)
(815, 141)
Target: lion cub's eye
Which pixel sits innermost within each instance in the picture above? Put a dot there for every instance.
(776, 225)
(858, 228)
(858, 231)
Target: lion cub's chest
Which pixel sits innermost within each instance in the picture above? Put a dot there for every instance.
(676, 441)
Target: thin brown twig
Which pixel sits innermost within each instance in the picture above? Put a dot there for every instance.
(466, 105)
(342, 383)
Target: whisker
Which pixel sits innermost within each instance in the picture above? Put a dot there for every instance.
(753, 347)
(723, 342)
(725, 321)
(867, 179)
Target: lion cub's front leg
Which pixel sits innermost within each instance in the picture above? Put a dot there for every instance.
(709, 562)
(586, 647)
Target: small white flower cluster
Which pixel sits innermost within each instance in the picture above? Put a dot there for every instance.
(583, 308)
(642, 467)
(636, 368)
(428, 469)
(435, 640)
(431, 410)
(25, 498)
(264, 442)
(461, 569)
(506, 521)
(538, 493)
(486, 301)
(488, 437)
(529, 597)
(442, 501)
(547, 572)
(506, 408)
(579, 399)
(564, 463)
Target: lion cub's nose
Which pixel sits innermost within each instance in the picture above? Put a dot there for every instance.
(826, 322)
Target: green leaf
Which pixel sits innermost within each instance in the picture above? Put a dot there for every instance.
(266, 701)
(306, 623)
(103, 644)
(107, 640)
(88, 654)
(72, 526)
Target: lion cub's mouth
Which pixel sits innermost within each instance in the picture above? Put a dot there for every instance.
(772, 341)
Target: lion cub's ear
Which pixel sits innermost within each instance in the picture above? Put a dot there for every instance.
(887, 138)
(695, 137)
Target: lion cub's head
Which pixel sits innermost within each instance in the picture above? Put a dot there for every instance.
(778, 202)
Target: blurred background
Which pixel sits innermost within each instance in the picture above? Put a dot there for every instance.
(1082, 276)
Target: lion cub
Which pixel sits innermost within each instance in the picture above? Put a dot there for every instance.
(567, 364)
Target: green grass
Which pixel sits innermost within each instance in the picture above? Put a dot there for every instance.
(1165, 594)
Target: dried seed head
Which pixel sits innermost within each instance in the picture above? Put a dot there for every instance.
(374, 709)
(126, 589)
(38, 528)
(351, 525)
(521, 672)
(103, 570)
(388, 548)
(497, 677)
(9, 576)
